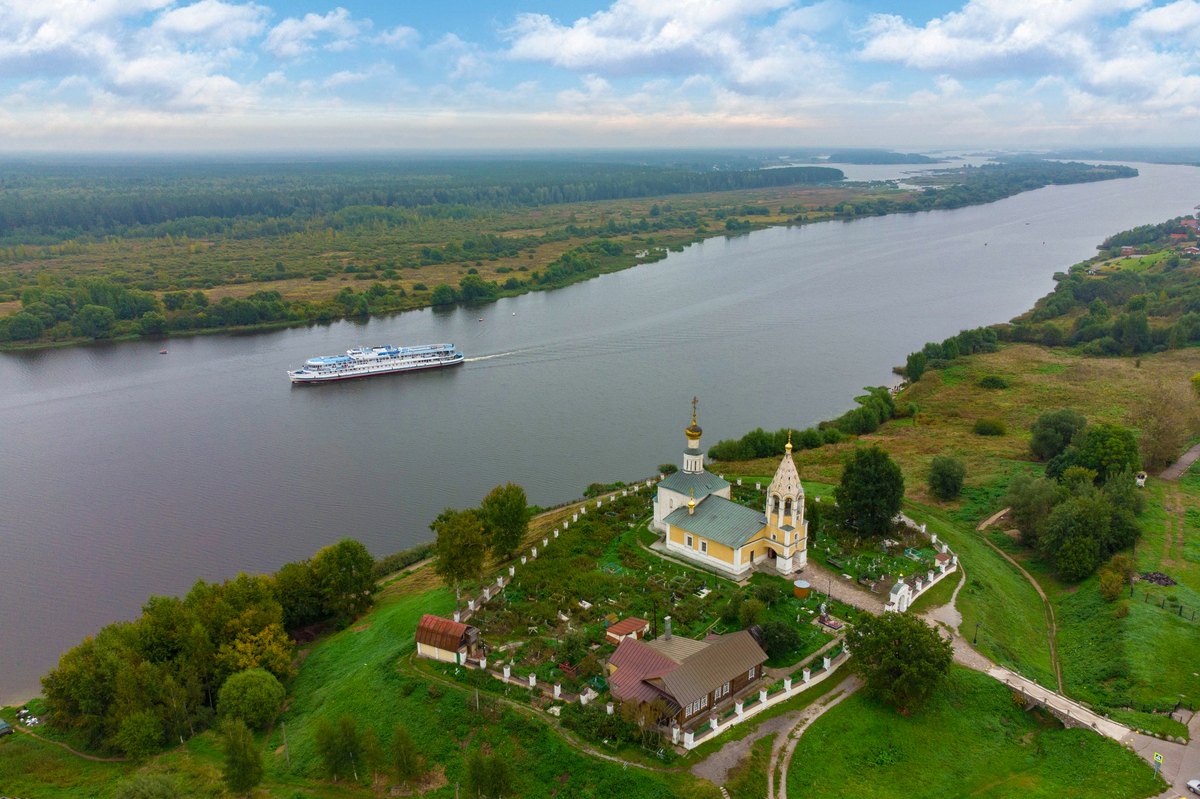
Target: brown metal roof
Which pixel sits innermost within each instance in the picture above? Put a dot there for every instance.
(713, 666)
(439, 632)
(634, 663)
(627, 626)
(677, 648)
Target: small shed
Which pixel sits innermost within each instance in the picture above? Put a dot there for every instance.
(631, 627)
(610, 619)
(446, 640)
(801, 589)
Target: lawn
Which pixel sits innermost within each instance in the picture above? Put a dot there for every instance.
(748, 779)
(972, 739)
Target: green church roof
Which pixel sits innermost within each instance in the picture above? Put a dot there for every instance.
(697, 485)
(718, 519)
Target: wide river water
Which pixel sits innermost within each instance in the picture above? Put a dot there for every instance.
(124, 473)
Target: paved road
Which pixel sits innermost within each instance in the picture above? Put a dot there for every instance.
(1176, 469)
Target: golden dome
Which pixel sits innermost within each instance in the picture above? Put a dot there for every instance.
(693, 431)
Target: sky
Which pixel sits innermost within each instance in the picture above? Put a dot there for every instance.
(362, 75)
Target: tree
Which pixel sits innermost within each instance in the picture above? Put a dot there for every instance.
(343, 572)
(1053, 431)
(341, 747)
(475, 289)
(243, 767)
(299, 595)
(900, 657)
(1166, 418)
(871, 490)
(254, 696)
(443, 294)
(404, 756)
(490, 777)
(504, 513)
(153, 323)
(140, 734)
(1074, 535)
(750, 612)
(915, 366)
(946, 477)
(460, 548)
(1109, 449)
(94, 321)
(779, 638)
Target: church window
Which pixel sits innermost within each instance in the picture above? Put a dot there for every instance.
(787, 506)
(704, 547)
(775, 505)
(689, 541)
(773, 538)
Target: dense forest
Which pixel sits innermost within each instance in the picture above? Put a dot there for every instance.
(54, 204)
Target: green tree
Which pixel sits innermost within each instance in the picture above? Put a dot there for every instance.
(1053, 431)
(489, 777)
(473, 288)
(405, 758)
(254, 696)
(504, 513)
(443, 294)
(1075, 533)
(871, 490)
(299, 595)
(779, 638)
(750, 613)
(341, 747)
(153, 323)
(460, 548)
(900, 657)
(1108, 449)
(94, 321)
(946, 476)
(243, 766)
(148, 786)
(140, 734)
(915, 366)
(343, 572)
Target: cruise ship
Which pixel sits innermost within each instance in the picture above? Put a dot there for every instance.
(370, 361)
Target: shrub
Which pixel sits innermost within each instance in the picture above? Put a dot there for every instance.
(254, 696)
(420, 287)
(1111, 585)
(993, 381)
(946, 477)
(1120, 611)
(988, 426)
(148, 786)
(1053, 431)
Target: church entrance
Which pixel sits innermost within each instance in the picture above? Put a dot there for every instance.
(770, 554)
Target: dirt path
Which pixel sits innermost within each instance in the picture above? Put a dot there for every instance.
(1176, 469)
(1176, 513)
(1047, 608)
(823, 581)
(810, 714)
(93, 758)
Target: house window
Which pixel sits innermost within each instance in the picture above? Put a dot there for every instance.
(704, 546)
(689, 710)
(704, 702)
(751, 674)
(725, 690)
(689, 541)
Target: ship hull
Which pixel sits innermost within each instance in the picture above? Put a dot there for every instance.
(337, 377)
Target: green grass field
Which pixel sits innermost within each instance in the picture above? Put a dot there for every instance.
(748, 780)
(971, 740)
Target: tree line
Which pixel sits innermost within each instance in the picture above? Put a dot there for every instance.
(1084, 509)
(40, 204)
(137, 685)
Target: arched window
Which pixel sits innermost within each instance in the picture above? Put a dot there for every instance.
(787, 506)
(775, 504)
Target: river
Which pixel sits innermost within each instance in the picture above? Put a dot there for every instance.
(125, 473)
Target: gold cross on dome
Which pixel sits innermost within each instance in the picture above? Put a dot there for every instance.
(694, 401)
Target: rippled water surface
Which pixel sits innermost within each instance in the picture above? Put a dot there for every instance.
(125, 473)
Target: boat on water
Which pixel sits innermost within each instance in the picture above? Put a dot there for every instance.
(371, 361)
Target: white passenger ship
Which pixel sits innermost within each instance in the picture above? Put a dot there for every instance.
(370, 361)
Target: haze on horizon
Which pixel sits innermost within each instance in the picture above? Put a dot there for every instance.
(365, 75)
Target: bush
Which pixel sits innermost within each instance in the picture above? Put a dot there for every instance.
(779, 638)
(750, 613)
(399, 560)
(148, 786)
(946, 477)
(254, 696)
(1053, 431)
(987, 426)
(993, 381)
(1111, 586)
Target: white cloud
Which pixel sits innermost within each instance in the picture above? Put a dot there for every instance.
(294, 37)
(219, 22)
(400, 36)
(752, 43)
(342, 78)
(460, 59)
(1179, 18)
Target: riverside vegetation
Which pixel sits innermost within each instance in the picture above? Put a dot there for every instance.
(113, 252)
(354, 695)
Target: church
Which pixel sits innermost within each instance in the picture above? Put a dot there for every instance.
(701, 523)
